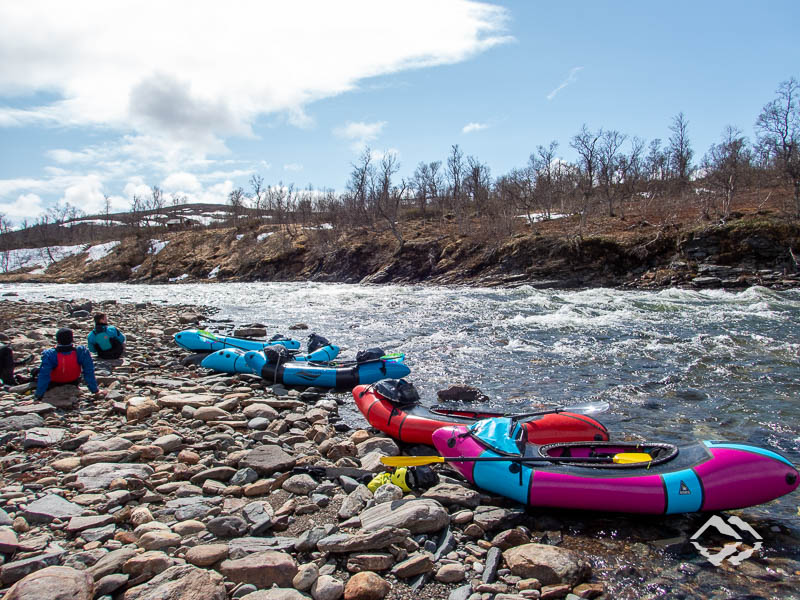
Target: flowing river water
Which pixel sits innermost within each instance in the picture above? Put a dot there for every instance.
(675, 365)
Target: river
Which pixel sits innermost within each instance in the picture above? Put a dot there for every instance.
(676, 365)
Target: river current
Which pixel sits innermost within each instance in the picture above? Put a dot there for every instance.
(675, 365)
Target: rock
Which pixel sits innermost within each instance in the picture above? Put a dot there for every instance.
(16, 570)
(53, 583)
(215, 473)
(207, 554)
(8, 541)
(386, 446)
(417, 563)
(243, 477)
(301, 484)
(451, 494)
(461, 593)
(549, 564)
(41, 437)
(388, 492)
(267, 460)
(327, 588)
(259, 515)
(65, 465)
(227, 527)
(308, 540)
(510, 538)
(21, 422)
(78, 524)
(243, 546)
(260, 411)
(147, 565)
(181, 582)
(262, 569)
(110, 584)
(366, 586)
(100, 475)
(551, 592)
(370, 562)
(51, 507)
(111, 563)
(192, 507)
(5, 520)
(159, 540)
(189, 457)
(64, 396)
(361, 542)
(139, 409)
(276, 594)
(354, 502)
(491, 565)
(589, 590)
(211, 413)
(452, 573)
(492, 517)
(189, 527)
(418, 516)
(178, 401)
(306, 576)
(140, 515)
(462, 393)
(168, 443)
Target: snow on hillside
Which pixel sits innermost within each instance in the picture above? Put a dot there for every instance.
(101, 250)
(39, 259)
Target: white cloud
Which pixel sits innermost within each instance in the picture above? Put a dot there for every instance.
(470, 127)
(293, 167)
(181, 182)
(25, 206)
(571, 78)
(87, 194)
(359, 133)
(198, 77)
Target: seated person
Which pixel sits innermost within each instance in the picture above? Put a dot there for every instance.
(105, 340)
(64, 364)
(7, 364)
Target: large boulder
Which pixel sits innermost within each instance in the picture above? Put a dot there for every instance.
(548, 564)
(366, 586)
(53, 583)
(181, 582)
(422, 515)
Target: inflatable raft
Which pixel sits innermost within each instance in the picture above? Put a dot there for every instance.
(415, 424)
(330, 375)
(705, 476)
(231, 360)
(199, 340)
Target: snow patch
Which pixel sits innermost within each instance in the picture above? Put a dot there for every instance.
(181, 278)
(101, 250)
(26, 258)
(536, 217)
(239, 237)
(262, 236)
(212, 274)
(157, 246)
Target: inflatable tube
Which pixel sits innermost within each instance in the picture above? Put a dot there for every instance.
(333, 375)
(704, 476)
(415, 423)
(199, 340)
(231, 360)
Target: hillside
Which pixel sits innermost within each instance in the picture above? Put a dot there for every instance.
(755, 246)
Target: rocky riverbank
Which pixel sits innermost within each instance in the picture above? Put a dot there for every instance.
(183, 484)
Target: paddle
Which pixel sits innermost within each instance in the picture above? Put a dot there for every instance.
(588, 408)
(623, 458)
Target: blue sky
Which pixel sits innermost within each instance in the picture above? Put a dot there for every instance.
(109, 99)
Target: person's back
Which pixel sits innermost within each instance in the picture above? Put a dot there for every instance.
(64, 364)
(105, 340)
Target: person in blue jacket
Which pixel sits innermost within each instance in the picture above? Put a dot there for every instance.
(64, 365)
(105, 340)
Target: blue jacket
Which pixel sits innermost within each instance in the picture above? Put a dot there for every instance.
(100, 339)
(50, 362)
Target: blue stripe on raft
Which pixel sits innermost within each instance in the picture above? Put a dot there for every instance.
(749, 448)
(488, 474)
(692, 497)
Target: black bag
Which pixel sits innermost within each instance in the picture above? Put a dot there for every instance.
(369, 354)
(398, 391)
(278, 336)
(276, 354)
(315, 342)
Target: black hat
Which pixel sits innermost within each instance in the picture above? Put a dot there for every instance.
(64, 336)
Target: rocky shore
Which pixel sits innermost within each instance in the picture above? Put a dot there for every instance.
(182, 484)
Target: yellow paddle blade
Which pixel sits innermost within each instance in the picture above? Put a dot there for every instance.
(410, 461)
(627, 458)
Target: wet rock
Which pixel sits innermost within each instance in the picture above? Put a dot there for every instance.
(461, 393)
(51, 507)
(267, 460)
(181, 582)
(262, 569)
(454, 494)
(418, 516)
(207, 554)
(366, 586)
(100, 475)
(549, 564)
(54, 583)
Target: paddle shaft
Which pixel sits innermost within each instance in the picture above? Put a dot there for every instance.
(621, 457)
(580, 409)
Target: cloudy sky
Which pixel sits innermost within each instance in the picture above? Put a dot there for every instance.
(110, 98)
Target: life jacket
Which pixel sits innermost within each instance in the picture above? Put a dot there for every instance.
(68, 369)
(101, 337)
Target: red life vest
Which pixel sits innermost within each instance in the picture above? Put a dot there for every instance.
(67, 369)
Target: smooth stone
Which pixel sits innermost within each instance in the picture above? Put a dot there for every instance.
(189, 527)
(41, 437)
(111, 562)
(388, 492)
(450, 573)
(147, 565)
(110, 584)
(453, 494)
(53, 583)
(14, 571)
(100, 475)
(363, 541)
(181, 582)
(267, 460)
(327, 588)
(227, 527)
(21, 422)
(207, 554)
(418, 516)
(8, 540)
(178, 401)
(417, 563)
(276, 594)
(549, 564)
(306, 576)
(168, 443)
(301, 484)
(159, 540)
(262, 569)
(386, 446)
(366, 586)
(51, 507)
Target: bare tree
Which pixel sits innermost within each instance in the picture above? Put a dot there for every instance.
(387, 198)
(586, 144)
(631, 172)
(358, 187)
(680, 151)
(778, 128)
(259, 194)
(477, 183)
(455, 178)
(727, 166)
(236, 199)
(609, 163)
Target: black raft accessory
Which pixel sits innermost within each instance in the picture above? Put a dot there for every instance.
(315, 342)
(397, 391)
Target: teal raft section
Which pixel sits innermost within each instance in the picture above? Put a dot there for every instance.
(231, 360)
(331, 375)
(199, 340)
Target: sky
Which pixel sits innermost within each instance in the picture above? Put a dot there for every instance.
(107, 99)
